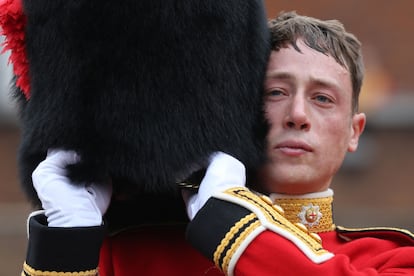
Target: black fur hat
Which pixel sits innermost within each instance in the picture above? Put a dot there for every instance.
(143, 90)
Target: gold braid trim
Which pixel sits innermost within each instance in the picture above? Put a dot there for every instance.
(237, 234)
(295, 212)
(28, 270)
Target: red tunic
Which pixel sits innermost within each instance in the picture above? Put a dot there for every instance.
(153, 250)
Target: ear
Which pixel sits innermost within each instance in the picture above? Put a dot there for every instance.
(358, 125)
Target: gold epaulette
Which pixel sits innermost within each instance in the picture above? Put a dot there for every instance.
(265, 216)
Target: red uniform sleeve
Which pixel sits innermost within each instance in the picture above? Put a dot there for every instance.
(245, 235)
(270, 254)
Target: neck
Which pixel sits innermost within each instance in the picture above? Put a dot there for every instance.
(314, 210)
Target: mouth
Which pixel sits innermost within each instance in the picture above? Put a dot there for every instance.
(293, 148)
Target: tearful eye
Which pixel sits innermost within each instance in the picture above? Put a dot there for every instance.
(323, 99)
(274, 92)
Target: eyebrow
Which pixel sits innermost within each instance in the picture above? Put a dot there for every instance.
(279, 75)
(322, 82)
(326, 83)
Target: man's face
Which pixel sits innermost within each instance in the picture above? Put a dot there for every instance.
(308, 105)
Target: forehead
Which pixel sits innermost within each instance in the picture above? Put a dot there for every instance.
(307, 65)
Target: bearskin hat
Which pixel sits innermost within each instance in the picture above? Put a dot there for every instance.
(143, 90)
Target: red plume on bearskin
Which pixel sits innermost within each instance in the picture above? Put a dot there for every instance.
(143, 90)
(13, 23)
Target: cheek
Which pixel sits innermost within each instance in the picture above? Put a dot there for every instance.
(338, 137)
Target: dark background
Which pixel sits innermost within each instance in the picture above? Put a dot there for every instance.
(374, 187)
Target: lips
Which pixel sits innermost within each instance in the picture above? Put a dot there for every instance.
(294, 147)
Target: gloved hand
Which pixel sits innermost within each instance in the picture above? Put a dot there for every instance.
(66, 204)
(223, 172)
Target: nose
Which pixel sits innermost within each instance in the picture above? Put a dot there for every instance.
(297, 115)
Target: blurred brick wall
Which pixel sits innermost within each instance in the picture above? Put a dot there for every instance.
(13, 205)
(9, 189)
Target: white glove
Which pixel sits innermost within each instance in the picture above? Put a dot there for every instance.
(223, 172)
(66, 204)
